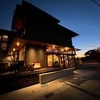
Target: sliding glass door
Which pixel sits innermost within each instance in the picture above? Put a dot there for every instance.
(52, 60)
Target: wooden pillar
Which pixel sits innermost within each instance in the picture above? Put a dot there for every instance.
(74, 62)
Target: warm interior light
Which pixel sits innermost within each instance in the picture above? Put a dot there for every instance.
(53, 46)
(37, 65)
(11, 53)
(24, 48)
(66, 48)
(47, 50)
(13, 49)
(17, 43)
(62, 50)
(5, 36)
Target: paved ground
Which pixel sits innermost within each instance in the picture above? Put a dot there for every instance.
(84, 84)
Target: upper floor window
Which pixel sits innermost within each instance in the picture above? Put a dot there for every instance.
(4, 38)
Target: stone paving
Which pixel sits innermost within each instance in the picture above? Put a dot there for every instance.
(82, 85)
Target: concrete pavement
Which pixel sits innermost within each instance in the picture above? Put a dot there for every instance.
(82, 85)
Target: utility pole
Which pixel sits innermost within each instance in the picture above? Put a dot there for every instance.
(96, 3)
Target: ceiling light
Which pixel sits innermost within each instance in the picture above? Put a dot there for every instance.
(53, 46)
(66, 48)
(17, 43)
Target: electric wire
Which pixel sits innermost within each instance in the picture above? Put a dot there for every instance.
(88, 17)
(96, 3)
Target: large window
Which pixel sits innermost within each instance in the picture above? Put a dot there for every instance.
(62, 57)
(52, 60)
(49, 60)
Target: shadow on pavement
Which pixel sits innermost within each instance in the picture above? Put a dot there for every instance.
(88, 67)
(95, 77)
(85, 91)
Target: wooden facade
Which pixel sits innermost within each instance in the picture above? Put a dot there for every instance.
(39, 40)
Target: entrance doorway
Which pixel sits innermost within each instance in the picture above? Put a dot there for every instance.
(60, 60)
(64, 61)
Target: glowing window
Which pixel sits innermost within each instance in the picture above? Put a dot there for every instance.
(49, 61)
(4, 38)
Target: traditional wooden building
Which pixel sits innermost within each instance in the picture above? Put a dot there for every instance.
(37, 38)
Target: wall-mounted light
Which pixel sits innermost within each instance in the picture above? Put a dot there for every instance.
(17, 43)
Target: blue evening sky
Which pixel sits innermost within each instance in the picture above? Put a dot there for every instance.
(80, 16)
